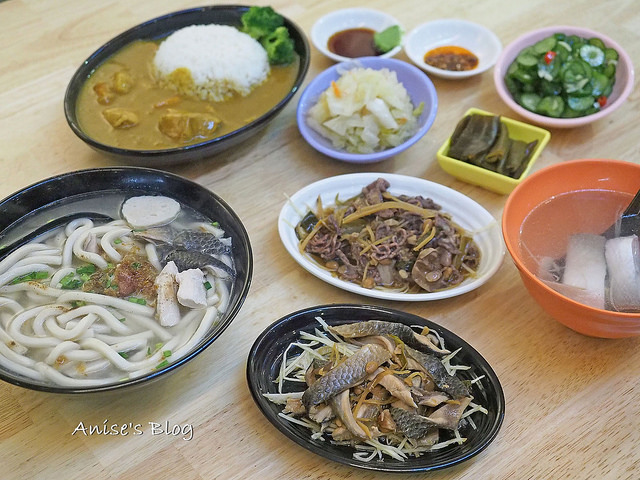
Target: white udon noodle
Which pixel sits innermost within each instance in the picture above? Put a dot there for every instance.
(44, 339)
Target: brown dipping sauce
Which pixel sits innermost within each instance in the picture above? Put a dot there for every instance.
(353, 43)
(452, 58)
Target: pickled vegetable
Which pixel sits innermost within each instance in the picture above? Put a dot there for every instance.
(484, 141)
(563, 76)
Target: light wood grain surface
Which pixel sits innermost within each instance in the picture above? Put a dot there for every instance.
(573, 402)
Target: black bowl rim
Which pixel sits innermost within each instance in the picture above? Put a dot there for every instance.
(205, 343)
(414, 465)
(113, 45)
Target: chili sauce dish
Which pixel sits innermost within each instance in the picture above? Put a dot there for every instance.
(452, 48)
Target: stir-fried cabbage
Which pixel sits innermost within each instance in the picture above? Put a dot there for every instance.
(365, 111)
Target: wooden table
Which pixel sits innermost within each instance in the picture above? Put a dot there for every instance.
(573, 402)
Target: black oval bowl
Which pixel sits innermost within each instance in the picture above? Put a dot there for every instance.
(44, 201)
(161, 27)
(263, 367)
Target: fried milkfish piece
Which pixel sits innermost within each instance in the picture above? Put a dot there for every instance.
(347, 374)
(379, 327)
(433, 366)
(417, 426)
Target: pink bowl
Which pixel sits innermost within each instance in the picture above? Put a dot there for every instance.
(621, 89)
(549, 182)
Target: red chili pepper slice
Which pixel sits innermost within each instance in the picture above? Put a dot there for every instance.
(602, 100)
(549, 56)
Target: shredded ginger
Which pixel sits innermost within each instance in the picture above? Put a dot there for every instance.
(365, 111)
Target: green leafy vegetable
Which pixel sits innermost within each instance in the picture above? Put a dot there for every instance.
(260, 21)
(279, 46)
(387, 39)
(267, 26)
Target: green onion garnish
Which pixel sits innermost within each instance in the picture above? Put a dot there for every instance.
(117, 241)
(139, 301)
(86, 269)
(123, 354)
(162, 364)
(29, 277)
(207, 285)
(166, 353)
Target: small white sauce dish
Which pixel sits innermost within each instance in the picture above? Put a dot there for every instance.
(347, 18)
(476, 38)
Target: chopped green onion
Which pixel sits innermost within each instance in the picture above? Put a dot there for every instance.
(69, 282)
(215, 224)
(78, 303)
(139, 301)
(135, 265)
(208, 285)
(117, 241)
(159, 346)
(123, 354)
(166, 353)
(72, 285)
(162, 364)
(29, 277)
(86, 269)
(122, 319)
(148, 351)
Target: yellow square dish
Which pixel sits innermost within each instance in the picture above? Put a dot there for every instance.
(494, 181)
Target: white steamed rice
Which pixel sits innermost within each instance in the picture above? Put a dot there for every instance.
(221, 60)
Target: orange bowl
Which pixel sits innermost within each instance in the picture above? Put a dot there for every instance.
(569, 176)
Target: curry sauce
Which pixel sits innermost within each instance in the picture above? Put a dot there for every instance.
(122, 105)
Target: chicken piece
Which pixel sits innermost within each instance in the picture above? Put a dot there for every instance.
(295, 407)
(385, 422)
(104, 93)
(122, 82)
(321, 413)
(448, 416)
(433, 399)
(120, 117)
(167, 307)
(191, 290)
(186, 126)
(342, 408)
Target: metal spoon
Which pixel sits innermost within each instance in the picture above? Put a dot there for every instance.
(7, 249)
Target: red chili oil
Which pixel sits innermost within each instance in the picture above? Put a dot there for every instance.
(452, 58)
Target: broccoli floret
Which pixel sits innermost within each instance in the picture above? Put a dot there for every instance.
(260, 21)
(279, 46)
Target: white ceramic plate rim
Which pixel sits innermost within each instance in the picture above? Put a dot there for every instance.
(339, 20)
(465, 212)
(464, 34)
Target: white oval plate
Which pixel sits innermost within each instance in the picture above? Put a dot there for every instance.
(464, 211)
